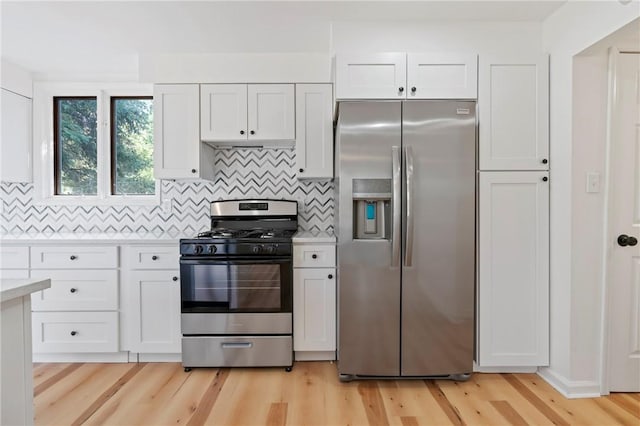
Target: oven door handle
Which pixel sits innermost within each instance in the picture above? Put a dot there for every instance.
(235, 261)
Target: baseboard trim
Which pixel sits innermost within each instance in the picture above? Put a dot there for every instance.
(570, 389)
(315, 355)
(512, 369)
(81, 357)
(159, 357)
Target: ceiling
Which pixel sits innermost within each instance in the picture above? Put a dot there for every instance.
(106, 37)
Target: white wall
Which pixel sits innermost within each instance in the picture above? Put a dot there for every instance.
(589, 126)
(16, 79)
(435, 36)
(571, 29)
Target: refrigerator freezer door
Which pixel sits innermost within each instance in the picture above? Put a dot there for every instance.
(369, 286)
(438, 275)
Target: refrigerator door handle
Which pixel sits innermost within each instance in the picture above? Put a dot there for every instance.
(408, 252)
(396, 200)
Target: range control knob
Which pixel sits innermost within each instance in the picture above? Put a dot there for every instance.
(270, 249)
(197, 249)
(256, 249)
(211, 249)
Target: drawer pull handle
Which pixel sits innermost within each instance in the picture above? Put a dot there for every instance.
(73, 333)
(73, 257)
(330, 276)
(73, 290)
(154, 257)
(314, 256)
(175, 278)
(236, 345)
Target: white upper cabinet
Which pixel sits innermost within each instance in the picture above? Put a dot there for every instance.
(178, 152)
(314, 128)
(223, 112)
(514, 112)
(16, 137)
(271, 111)
(371, 76)
(247, 112)
(513, 273)
(406, 76)
(442, 76)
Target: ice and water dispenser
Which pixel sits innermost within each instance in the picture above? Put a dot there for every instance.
(372, 209)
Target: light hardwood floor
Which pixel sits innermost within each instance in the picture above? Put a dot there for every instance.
(162, 393)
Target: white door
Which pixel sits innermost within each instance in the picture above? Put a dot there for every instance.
(442, 76)
(271, 114)
(176, 123)
(623, 278)
(314, 309)
(314, 130)
(371, 76)
(513, 275)
(223, 112)
(513, 103)
(155, 312)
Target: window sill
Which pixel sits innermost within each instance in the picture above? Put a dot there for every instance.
(86, 200)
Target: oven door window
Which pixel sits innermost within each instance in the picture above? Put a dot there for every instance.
(236, 286)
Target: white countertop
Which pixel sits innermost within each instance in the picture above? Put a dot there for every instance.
(12, 289)
(313, 237)
(111, 238)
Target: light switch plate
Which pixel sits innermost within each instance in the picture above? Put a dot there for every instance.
(593, 182)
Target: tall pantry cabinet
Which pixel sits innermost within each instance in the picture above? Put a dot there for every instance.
(513, 212)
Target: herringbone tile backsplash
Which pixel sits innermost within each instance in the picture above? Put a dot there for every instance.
(239, 173)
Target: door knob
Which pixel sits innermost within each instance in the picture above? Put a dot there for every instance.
(626, 240)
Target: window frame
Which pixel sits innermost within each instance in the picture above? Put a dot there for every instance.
(43, 141)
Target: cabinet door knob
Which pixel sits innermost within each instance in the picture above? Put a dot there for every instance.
(301, 170)
(73, 290)
(545, 161)
(73, 257)
(242, 132)
(314, 256)
(413, 89)
(400, 89)
(544, 179)
(330, 276)
(154, 257)
(73, 333)
(175, 278)
(252, 132)
(193, 170)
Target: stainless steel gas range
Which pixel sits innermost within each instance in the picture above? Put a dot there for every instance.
(236, 286)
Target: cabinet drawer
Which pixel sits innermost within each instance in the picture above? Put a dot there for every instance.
(14, 258)
(314, 256)
(75, 331)
(241, 351)
(74, 257)
(153, 257)
(77, 291)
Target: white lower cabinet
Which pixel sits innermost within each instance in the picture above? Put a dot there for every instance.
(155, 319)
(513, 269)
(151, 285)
(314, 306)
(78, 316)
(74, 332)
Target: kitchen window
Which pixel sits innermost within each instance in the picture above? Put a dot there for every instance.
(94, 144)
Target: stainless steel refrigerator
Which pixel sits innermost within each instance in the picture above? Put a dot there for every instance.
(405, 221)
